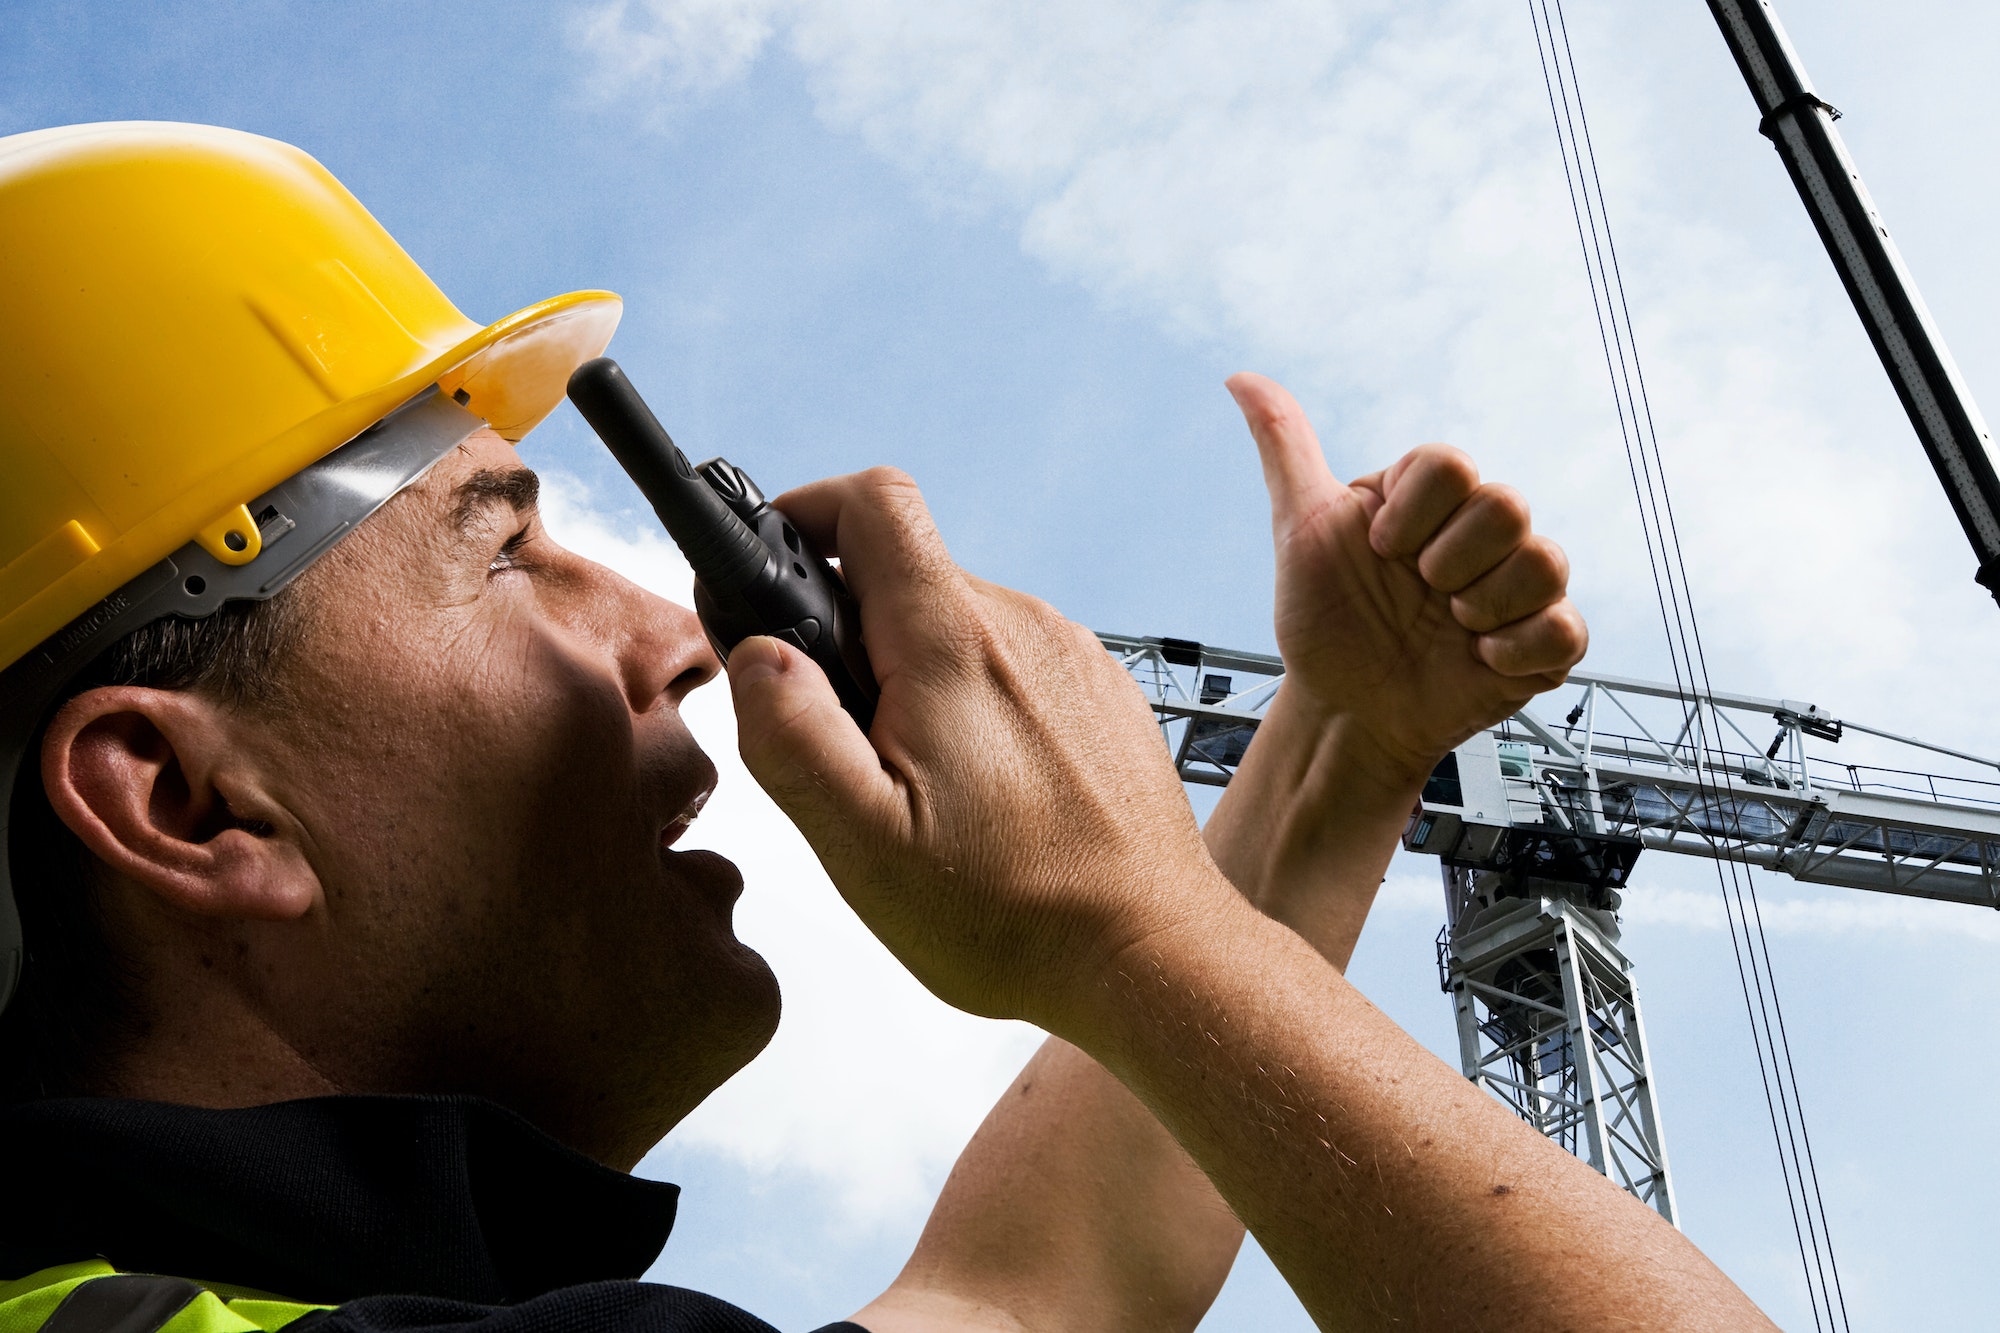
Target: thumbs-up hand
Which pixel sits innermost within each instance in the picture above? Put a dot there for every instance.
(1415, 604)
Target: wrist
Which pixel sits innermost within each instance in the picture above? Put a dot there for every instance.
(1312, 818)
(1166, 1004)
(1195, 911)
(1343, 754)
(1314, 781)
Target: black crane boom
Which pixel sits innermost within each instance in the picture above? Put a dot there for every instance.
(1947, 421)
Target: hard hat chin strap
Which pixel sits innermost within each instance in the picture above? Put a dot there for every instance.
(299, 521)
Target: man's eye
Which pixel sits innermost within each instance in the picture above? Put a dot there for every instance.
(509, 556)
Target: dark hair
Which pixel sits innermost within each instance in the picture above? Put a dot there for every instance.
(73, 1007)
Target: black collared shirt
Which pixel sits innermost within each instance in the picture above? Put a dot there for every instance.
(434, 1213)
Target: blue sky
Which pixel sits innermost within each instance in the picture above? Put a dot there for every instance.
(1015, 248)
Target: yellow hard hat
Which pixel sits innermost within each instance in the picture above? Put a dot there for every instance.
(194, 321)
(191, 315)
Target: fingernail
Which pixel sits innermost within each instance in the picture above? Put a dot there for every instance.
(756, 658)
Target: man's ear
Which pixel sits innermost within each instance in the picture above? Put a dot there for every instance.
(152, 784)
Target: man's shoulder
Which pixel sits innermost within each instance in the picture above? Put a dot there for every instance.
(358, 1213)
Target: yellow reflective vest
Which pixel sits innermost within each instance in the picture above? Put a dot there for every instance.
(94, 1297)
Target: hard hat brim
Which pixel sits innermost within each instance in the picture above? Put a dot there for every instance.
(514, 371)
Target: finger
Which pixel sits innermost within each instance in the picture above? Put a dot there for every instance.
(875, 521)
(1543, 681)
(1374, 482)
(1420, 492)
(803, 748)
(1534, 575)
(1479, 535)
(1549, 642)
(1295, 470)
(891, 555)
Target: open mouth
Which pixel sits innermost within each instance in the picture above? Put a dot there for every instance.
(680, 823)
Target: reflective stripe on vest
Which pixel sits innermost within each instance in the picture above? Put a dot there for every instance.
(94, 1297)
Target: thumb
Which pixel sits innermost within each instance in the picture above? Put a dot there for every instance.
(1295, 470)
(801, 746)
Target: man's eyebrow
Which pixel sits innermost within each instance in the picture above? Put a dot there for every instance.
(519, 487)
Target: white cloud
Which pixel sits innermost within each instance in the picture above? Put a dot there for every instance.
(871, 1085)
(1823, 914)
(1366, 198)
(685, 48)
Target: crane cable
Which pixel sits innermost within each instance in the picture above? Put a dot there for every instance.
(1671, 589)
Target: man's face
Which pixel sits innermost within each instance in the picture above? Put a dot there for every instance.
(488, 766)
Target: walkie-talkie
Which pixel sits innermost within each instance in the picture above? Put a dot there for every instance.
(754, 573)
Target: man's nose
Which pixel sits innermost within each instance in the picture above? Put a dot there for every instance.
(663, 652)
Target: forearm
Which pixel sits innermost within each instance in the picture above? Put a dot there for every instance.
(1072, 1207)
(1381, 1183)
(1307, 826)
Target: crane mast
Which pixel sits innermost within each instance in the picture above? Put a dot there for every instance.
(1948, 423)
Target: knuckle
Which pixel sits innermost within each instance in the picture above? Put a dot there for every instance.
(1544, 569)
(1054, 623)
(894, 492)
(1556, 559)
(1037, 617)
(1506, 508)
(1276, 415)
(1571, 634)
(1448, 465)
(886, 479)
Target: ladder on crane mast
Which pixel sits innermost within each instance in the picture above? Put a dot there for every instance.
(1537, 826)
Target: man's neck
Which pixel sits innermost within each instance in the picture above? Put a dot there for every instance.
(213, 1053)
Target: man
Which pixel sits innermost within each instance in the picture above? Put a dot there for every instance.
(357, 963)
